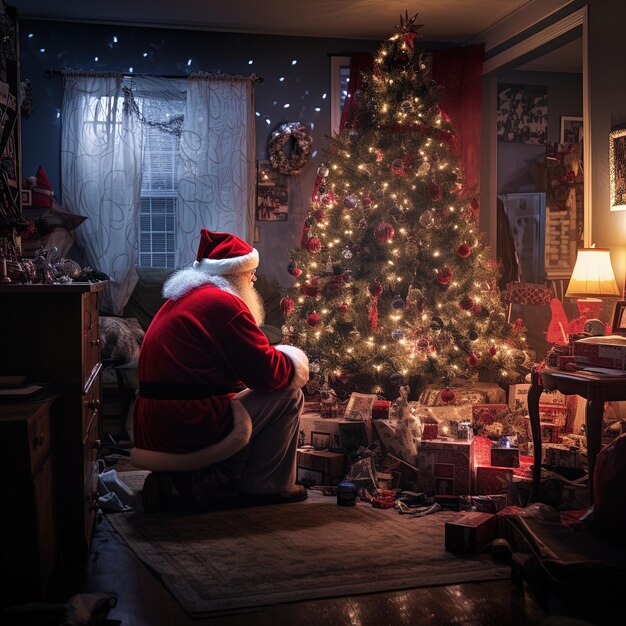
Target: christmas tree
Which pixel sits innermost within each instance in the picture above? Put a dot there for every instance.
(394, 282)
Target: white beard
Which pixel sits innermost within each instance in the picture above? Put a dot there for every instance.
(240, 285)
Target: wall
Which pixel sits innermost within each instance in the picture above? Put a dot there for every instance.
(608, 111)
(48, 45)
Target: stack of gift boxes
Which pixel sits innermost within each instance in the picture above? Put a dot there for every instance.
(454, 450)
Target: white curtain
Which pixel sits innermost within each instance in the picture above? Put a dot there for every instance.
(216, 187)
(101, 178)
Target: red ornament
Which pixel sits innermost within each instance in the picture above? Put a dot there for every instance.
(472, 360)
(356, 248)
(366, 201)
(319, 215)
(434, 191)
(447, 395)
(475, 208)
(342, 308)
(493, 350)
(397, 167)
(375, 289)
(384, 232)
(464, 251)
(310, 289)
(314, 245)
(313, 319)
(444, 275)
(466, 303)
(287, 305)
(296, 271)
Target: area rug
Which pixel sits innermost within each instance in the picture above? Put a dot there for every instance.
(238, 559)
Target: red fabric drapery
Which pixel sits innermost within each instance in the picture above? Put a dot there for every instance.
(360, 63)
(459, 72)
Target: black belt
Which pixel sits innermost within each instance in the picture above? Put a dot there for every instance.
(184, 391)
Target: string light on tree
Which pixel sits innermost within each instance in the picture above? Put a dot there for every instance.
(405, 284)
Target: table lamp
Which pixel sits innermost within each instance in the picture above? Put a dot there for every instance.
(592, 280)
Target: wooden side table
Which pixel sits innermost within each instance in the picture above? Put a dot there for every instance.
(596, 388)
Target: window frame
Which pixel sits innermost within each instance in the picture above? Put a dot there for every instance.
(336, 63)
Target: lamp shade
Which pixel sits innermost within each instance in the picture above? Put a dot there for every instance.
(593, 275)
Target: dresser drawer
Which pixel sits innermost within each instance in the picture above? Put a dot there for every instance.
(90, 303)
(91, 406)
(38, 438)
(91, 352)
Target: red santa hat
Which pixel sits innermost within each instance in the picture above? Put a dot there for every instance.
(223, 253)
(41, 189)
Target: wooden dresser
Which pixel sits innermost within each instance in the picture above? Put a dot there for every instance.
(50, 334)
(29, 548)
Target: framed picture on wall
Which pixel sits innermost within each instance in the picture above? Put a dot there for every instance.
(271, 195)
(522, 113)
(617, 168)
(571, 129)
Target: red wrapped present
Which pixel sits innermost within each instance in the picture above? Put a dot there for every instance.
(446, 466)
(471, 532)
(431, 431)
(380, 409)
(502, 456)
(492, 480)
(482, 451)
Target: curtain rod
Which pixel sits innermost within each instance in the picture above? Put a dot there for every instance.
(53, 73)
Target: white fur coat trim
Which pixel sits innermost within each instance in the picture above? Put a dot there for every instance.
(183, 281)
(228, 266)
(238, 437)
(300, 362)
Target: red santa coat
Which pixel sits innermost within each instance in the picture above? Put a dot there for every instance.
(206, 337)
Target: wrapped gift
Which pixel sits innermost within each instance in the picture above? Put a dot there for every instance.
(319, 467)
(554, 414)
(324, 433)
(493, 503)
(492, 480)
(563, 456)
(504, 456)
(400, 437)
(549, 432)
(430, 430)
(482, 451)
(485, 414)
(471, 532)
(518, 397)
(446, 466)
(464, 393)
(380, 409)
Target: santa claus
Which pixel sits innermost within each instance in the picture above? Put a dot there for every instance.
(217, 404)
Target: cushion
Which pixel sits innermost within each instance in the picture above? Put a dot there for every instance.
(146, 298)
(120, 339)
(55, 216)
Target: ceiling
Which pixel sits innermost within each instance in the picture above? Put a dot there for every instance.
(444, 20)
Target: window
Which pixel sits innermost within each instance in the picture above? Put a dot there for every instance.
(159, 187)
(339, 77)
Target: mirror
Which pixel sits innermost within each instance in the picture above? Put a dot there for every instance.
(540, 161)
(553, 213)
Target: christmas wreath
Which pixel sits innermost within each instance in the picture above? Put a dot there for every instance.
(300, 148)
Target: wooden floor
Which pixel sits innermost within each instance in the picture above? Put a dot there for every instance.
(143, 601)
